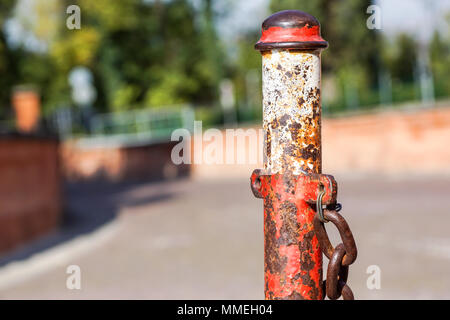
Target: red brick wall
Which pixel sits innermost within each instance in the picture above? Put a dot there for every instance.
(30, 189)
(121, 163)
(411, 142)
(390, 142)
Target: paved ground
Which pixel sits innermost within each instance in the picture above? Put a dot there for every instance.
(203, 240)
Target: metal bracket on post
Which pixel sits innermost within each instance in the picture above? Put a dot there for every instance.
(308, 185)
(291, 183)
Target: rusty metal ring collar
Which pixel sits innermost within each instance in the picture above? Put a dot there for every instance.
(345, 233)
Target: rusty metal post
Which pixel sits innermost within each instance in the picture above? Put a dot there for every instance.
(291, 45)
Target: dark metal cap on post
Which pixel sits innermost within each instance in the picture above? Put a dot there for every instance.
(291, 29)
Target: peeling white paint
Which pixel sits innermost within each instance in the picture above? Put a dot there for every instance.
(289, 78)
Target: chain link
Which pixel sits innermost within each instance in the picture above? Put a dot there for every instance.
(343, 255)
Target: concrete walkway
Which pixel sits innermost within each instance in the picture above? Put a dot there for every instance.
(203, 240)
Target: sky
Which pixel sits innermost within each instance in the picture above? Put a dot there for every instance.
(243, 15)
(396, 15)
(417, 17)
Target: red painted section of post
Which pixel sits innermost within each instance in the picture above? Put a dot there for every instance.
(279, 34)
(293, 259)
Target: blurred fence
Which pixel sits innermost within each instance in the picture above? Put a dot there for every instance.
(134, 127)
(131, 145)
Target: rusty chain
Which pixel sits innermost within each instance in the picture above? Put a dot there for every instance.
(343, 255)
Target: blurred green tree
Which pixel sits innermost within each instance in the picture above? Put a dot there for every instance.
(142, 53)
(403, 61)
(399, 56)
(8, 63)
(246, 74)
(440, 64)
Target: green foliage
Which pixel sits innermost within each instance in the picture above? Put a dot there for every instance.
(142, 53)
(402, 61)
(440, 65)
(246, 74)
(404, 91)
(150, 54)
(8, 63)
(209, 116)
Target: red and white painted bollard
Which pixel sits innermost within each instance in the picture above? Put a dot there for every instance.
(291, 181)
